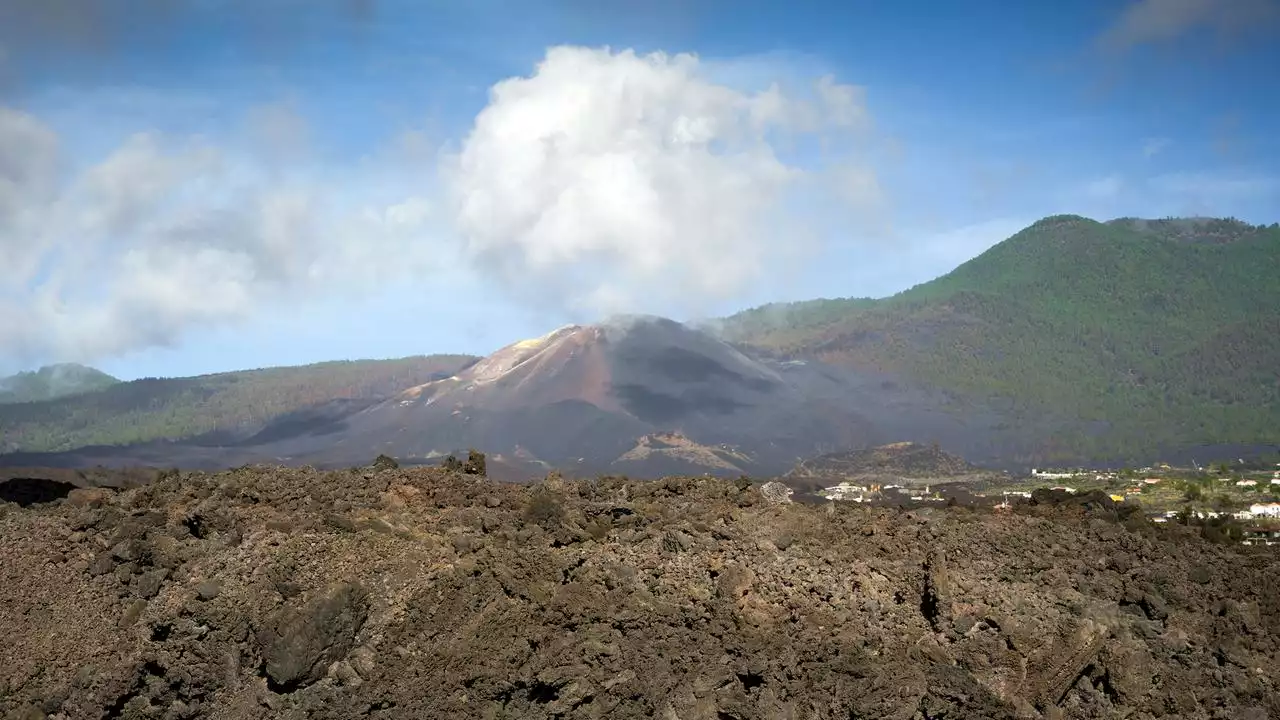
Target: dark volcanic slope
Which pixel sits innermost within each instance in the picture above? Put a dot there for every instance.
(582, 397)
(268, 593)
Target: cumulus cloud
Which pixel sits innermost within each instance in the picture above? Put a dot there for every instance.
(1155, 21)
(610, 182)
(163, 235)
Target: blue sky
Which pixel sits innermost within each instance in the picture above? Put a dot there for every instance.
(228, 184)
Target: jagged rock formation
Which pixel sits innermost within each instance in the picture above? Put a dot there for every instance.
(410, 593)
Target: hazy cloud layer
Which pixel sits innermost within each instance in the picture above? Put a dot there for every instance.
(1105, 188)
(1206, 191)
(1155, 21)
(78, 34)
(1182, 194)
(28, 170)
(610, 181)
(98, 24)
(1154, 146)
(164, 235)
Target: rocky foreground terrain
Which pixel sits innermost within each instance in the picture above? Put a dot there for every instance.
(389, 593)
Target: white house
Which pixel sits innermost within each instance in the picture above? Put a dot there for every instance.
(1265, 509)
(1246, 483)
(845, 491)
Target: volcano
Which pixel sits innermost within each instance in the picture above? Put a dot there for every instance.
(636, 395)
(643, 395)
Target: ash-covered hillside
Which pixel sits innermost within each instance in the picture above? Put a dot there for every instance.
(278, 593)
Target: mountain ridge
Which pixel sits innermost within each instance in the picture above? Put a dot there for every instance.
(1082, 321)
(51, 382)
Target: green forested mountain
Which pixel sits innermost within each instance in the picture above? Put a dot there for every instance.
(52, 381)
(171, 408)
(1154, 333)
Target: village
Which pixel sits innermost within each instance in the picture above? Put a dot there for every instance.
(1248, 495)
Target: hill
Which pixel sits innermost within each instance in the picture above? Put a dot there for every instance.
(905, 460)
(1107, 340)
(229, 404)
(900, 463)
(51, 382)
(643, 396)
(274, 594)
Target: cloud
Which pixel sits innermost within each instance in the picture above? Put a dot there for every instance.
(28, 174)
(279, 132)
(1217, 189)
(1154, 146)
(605, 182)
(1156, 21)
(1216, 194)
(166, 234)
(1106, 188)
(81, 33)
(97, 24)
(610, 182)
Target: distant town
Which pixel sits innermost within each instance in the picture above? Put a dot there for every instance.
(1245, 495)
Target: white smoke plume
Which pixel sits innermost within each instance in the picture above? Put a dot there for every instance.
(611, 182)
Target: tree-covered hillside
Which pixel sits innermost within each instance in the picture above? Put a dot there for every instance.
(52, 381)
(172, 408)
(1156, 334)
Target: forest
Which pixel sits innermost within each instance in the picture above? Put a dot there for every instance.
(1131, 336)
